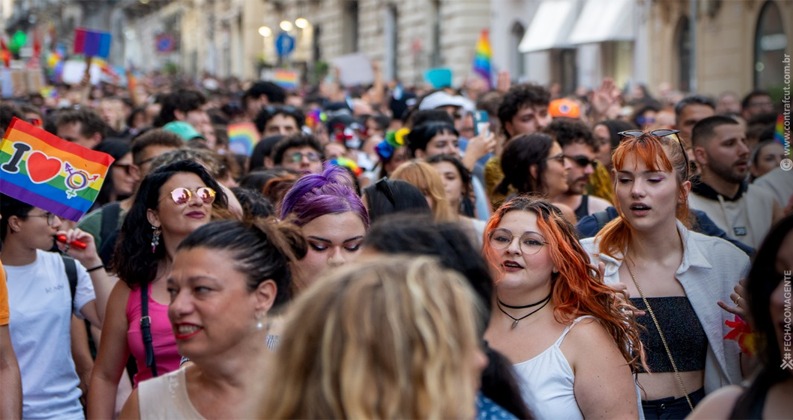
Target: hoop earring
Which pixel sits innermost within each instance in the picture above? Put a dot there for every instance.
(155, 238)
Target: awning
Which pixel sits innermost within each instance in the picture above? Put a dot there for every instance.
(604, 20)
(550, 26)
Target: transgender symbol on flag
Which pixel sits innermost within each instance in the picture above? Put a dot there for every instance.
(46, 171)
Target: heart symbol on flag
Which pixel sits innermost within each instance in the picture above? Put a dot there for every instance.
(42, 168)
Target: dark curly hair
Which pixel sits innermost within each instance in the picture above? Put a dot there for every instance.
(133, 260)
(521, 96)
(568, 131)
(90, 122)
(183, 100)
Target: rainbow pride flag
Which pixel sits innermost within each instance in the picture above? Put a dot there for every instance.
(46, 171)
(483, 56)
(779, 130)
(242, 138)
(287, 79)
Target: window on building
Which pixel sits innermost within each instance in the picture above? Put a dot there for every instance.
(683, 45)
(350, 27)
(563, 69)
(517, 62)
(770, 42)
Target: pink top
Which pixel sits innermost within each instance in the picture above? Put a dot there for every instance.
(166, 354)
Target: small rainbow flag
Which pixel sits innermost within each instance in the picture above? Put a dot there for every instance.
(242, 138)
(46, 171)
(482, 57)
(779, 131)
(287, 79)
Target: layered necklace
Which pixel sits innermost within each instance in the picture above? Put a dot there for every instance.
(502, 305)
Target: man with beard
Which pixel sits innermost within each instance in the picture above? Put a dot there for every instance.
(722, 190)
(580, 147)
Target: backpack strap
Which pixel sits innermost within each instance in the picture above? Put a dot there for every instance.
(145, 328)
(71, 273)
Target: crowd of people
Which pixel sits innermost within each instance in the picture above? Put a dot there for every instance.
(387, 251)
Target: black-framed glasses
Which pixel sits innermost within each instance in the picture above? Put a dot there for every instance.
(50, 217)
(583, 161)
(663, 134)
(530, 242)
(311, 156)
(182, 195)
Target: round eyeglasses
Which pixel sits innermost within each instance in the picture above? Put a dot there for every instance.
(50, 217)
(530, 242)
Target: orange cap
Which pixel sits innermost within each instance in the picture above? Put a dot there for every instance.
(564, 108)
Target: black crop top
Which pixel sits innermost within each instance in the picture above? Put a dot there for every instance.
(684, 334)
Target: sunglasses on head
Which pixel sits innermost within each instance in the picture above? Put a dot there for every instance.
(663, 134)
(183, 195)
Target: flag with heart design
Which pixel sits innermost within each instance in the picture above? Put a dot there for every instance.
(45, 171)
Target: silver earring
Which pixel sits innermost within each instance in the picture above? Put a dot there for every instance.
(155, 238)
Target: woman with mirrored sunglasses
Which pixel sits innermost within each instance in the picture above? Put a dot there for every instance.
(675, 275)
(172, 201)
(572, 340)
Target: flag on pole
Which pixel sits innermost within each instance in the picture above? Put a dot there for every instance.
(45, 171)
(92, 43)
(483, 56)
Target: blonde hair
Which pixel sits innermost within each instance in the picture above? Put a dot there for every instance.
(393, 337)
(427, 179)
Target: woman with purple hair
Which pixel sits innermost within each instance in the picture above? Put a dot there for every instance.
(332, 218)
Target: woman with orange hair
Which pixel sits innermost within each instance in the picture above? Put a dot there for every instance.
(674, 274)
(553, 311)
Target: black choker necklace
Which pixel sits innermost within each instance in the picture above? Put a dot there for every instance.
(516, 320)
(531, 305)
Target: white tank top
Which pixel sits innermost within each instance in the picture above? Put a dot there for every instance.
(546, 382)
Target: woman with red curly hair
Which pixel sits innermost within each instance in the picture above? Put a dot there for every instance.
(572, 339)
(676, 275)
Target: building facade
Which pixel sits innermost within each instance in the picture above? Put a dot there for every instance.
(707, 46)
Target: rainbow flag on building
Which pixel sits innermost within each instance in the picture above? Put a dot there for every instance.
(242, 138)
(483, 56)
(46, 171)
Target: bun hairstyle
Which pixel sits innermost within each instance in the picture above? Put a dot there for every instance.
(261, 248)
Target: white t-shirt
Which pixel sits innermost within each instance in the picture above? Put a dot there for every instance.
(40, 301)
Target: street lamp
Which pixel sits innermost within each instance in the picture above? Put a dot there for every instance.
(286, 25)
(265, 31)
(301, 23)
